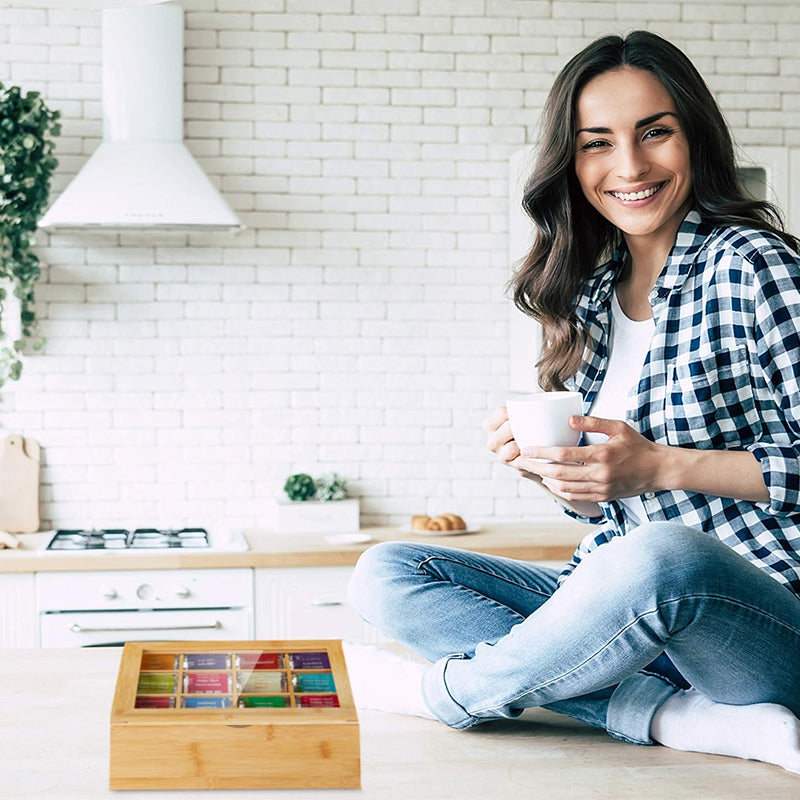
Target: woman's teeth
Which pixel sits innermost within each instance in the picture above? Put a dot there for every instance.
(638, 195)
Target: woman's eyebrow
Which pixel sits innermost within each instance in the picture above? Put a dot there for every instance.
(640, 124)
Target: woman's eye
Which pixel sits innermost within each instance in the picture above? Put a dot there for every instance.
(597, 144)
(657, 133)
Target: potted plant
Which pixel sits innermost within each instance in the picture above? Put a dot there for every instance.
(299, 487)
(317, 506)
(27, 128)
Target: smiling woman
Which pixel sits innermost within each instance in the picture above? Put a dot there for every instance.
(573, 234)
(671, 302)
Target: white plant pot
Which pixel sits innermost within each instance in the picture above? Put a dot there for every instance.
(313, 516)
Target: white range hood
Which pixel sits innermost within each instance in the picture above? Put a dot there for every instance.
(142, 175)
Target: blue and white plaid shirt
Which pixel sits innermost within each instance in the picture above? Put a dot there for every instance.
(723, 373)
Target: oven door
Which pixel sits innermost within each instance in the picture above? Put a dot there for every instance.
(107, 628)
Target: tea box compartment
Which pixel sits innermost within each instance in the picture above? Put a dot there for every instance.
(234, 715)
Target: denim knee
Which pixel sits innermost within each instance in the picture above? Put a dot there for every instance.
(369, 588)
(661, 554)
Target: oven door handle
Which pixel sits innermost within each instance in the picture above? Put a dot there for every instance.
(76, 628)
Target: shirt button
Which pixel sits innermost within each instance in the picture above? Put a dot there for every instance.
(649, 495)
(653, 296)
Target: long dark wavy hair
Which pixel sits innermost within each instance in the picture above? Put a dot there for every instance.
(571, 237)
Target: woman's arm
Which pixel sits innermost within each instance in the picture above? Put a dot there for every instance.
(627, 464)
(724, 473)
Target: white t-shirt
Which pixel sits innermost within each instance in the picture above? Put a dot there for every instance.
(628, 344)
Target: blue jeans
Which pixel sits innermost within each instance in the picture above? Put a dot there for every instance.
(663, 608)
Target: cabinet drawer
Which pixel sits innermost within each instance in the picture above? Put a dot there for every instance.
(135, 589)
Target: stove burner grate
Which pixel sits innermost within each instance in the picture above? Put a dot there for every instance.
(123, 539)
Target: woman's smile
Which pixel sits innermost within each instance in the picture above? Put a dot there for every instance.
(636, 195)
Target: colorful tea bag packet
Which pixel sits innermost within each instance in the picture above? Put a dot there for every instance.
(309, 661)
(206, 702)
(218, 661)
(313, 682)
(158, 701)
(157, 683)
(264, 702)
(159, 661)
(206, 682)
(262, 682)
(251, 661)
(318, 701)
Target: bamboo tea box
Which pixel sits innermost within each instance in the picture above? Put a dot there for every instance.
(234, 715)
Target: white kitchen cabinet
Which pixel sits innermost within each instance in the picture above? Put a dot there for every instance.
(308, 603)
(18, 610)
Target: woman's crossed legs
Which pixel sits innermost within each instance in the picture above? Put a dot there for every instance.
(640, 619)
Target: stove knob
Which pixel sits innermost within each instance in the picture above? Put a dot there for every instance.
(110, 594)
(144, 591)
(182, 592)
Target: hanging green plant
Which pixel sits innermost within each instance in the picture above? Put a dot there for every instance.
(27, 129)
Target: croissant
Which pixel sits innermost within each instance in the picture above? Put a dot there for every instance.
(456, 523)
(446, 522)
(442, 522)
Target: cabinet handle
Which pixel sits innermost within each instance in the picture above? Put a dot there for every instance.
(75, 628)
(320, 603)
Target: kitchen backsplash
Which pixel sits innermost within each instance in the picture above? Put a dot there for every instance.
(360, 323)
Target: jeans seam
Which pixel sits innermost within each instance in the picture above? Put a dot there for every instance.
(428, 559)
(618, 735)
(624, 630)
(652, 674)
(447, 660)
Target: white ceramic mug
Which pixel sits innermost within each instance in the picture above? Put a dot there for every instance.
(542, 419)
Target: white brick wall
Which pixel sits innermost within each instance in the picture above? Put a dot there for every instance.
(359, 323)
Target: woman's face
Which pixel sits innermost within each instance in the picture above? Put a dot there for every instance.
(631, 156)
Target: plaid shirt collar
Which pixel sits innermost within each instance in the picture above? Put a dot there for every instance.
(689, 243)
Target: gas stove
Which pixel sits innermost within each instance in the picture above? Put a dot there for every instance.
(124, 540)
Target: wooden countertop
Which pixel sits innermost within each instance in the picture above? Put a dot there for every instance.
(552, 541)
(54, 731)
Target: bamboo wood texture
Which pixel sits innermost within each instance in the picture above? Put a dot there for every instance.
(19, 484)
(233, 748)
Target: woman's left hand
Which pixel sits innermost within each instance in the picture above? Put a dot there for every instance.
(625, 465)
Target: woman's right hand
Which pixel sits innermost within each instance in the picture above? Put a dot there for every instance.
(499, 438)
(500, 441)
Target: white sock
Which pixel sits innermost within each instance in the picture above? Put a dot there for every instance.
(766, 732)
(384, 681)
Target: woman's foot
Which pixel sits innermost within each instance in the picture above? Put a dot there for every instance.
(766, 732)
(384, 681)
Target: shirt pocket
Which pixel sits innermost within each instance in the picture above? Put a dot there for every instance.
(710, 402)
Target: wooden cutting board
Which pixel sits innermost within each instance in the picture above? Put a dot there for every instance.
(19, 484)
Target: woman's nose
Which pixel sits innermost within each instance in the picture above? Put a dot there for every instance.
(631, 162)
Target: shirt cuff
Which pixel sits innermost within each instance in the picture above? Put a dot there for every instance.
(780, 465)
(581, 517)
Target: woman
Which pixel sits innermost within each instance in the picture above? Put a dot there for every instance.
(671, 301)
